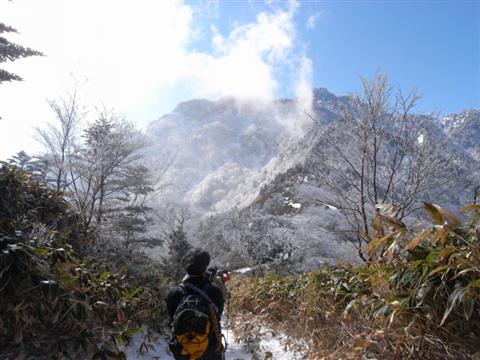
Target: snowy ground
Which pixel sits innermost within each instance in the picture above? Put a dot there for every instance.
(234, 351)
(273, 346)
(270, 345)
(159, 352)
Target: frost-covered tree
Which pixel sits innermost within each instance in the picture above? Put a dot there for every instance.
(129, 212)
(101, 172)
(35, 166)
(107, 168)
(378, 159)
(60, 138)
(258, 239)
(176, 241)
(10, 52)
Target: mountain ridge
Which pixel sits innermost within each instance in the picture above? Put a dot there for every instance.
(228, 155)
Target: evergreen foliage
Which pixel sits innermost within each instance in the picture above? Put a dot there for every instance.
(56, 303)
(35, 166)
(103, 176)
(178, 246)
(10, 52)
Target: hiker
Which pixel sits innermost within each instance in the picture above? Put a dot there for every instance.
(218, 278)
(195, 308)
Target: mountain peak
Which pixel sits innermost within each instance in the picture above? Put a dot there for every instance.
(323, 94)
(194, 107)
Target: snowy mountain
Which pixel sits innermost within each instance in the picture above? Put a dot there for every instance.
(208, 155)
(217, 157)
(464, 130)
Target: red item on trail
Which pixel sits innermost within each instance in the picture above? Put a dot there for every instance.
(226, 277)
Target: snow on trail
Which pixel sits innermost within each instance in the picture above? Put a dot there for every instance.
(271, 346)
(234, 351)
(243, 270)
(159, 353)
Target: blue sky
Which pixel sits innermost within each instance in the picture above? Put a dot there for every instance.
(433, 45)
(143, 58)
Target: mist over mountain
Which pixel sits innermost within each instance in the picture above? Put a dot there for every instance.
(216, 158)
(210, 155)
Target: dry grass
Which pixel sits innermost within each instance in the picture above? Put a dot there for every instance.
(418, 297)
(296, 307)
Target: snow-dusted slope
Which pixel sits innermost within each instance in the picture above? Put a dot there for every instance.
(212, 155)
(464, 130)
(217, 156)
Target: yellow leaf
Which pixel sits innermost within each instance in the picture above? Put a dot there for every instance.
(271, 305)
(375, 243)
(453, 219)
(440, 235)
(434, 213)
(397, 224)
(377, 225)
(391, 249)
(414, 243)
(445, 253)
(472, 207)
(438, 269)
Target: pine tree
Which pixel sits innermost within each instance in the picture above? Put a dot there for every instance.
(129, 213)
(10, 52)
(178, 246)
(108, 168)
(34, 166)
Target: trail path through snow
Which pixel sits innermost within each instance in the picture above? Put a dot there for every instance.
(270, 344)
(234, 351)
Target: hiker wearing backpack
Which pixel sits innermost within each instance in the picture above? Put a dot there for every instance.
(218, 278)
(195, 308)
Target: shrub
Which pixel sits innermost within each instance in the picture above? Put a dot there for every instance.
(417, 297)
(55, 302)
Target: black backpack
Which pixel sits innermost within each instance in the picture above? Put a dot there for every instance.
(192, 323)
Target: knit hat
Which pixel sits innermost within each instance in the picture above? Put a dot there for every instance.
(196, 261)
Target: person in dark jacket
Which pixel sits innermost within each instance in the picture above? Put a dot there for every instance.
(196, 263)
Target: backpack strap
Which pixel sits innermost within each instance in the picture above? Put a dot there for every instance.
(200, 292)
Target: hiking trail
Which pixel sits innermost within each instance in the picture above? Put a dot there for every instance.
(270, 346)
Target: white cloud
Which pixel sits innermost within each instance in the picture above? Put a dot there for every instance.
(303, 89)
(125, 51)
(133, 54)
(311, 21)
(242, 63)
